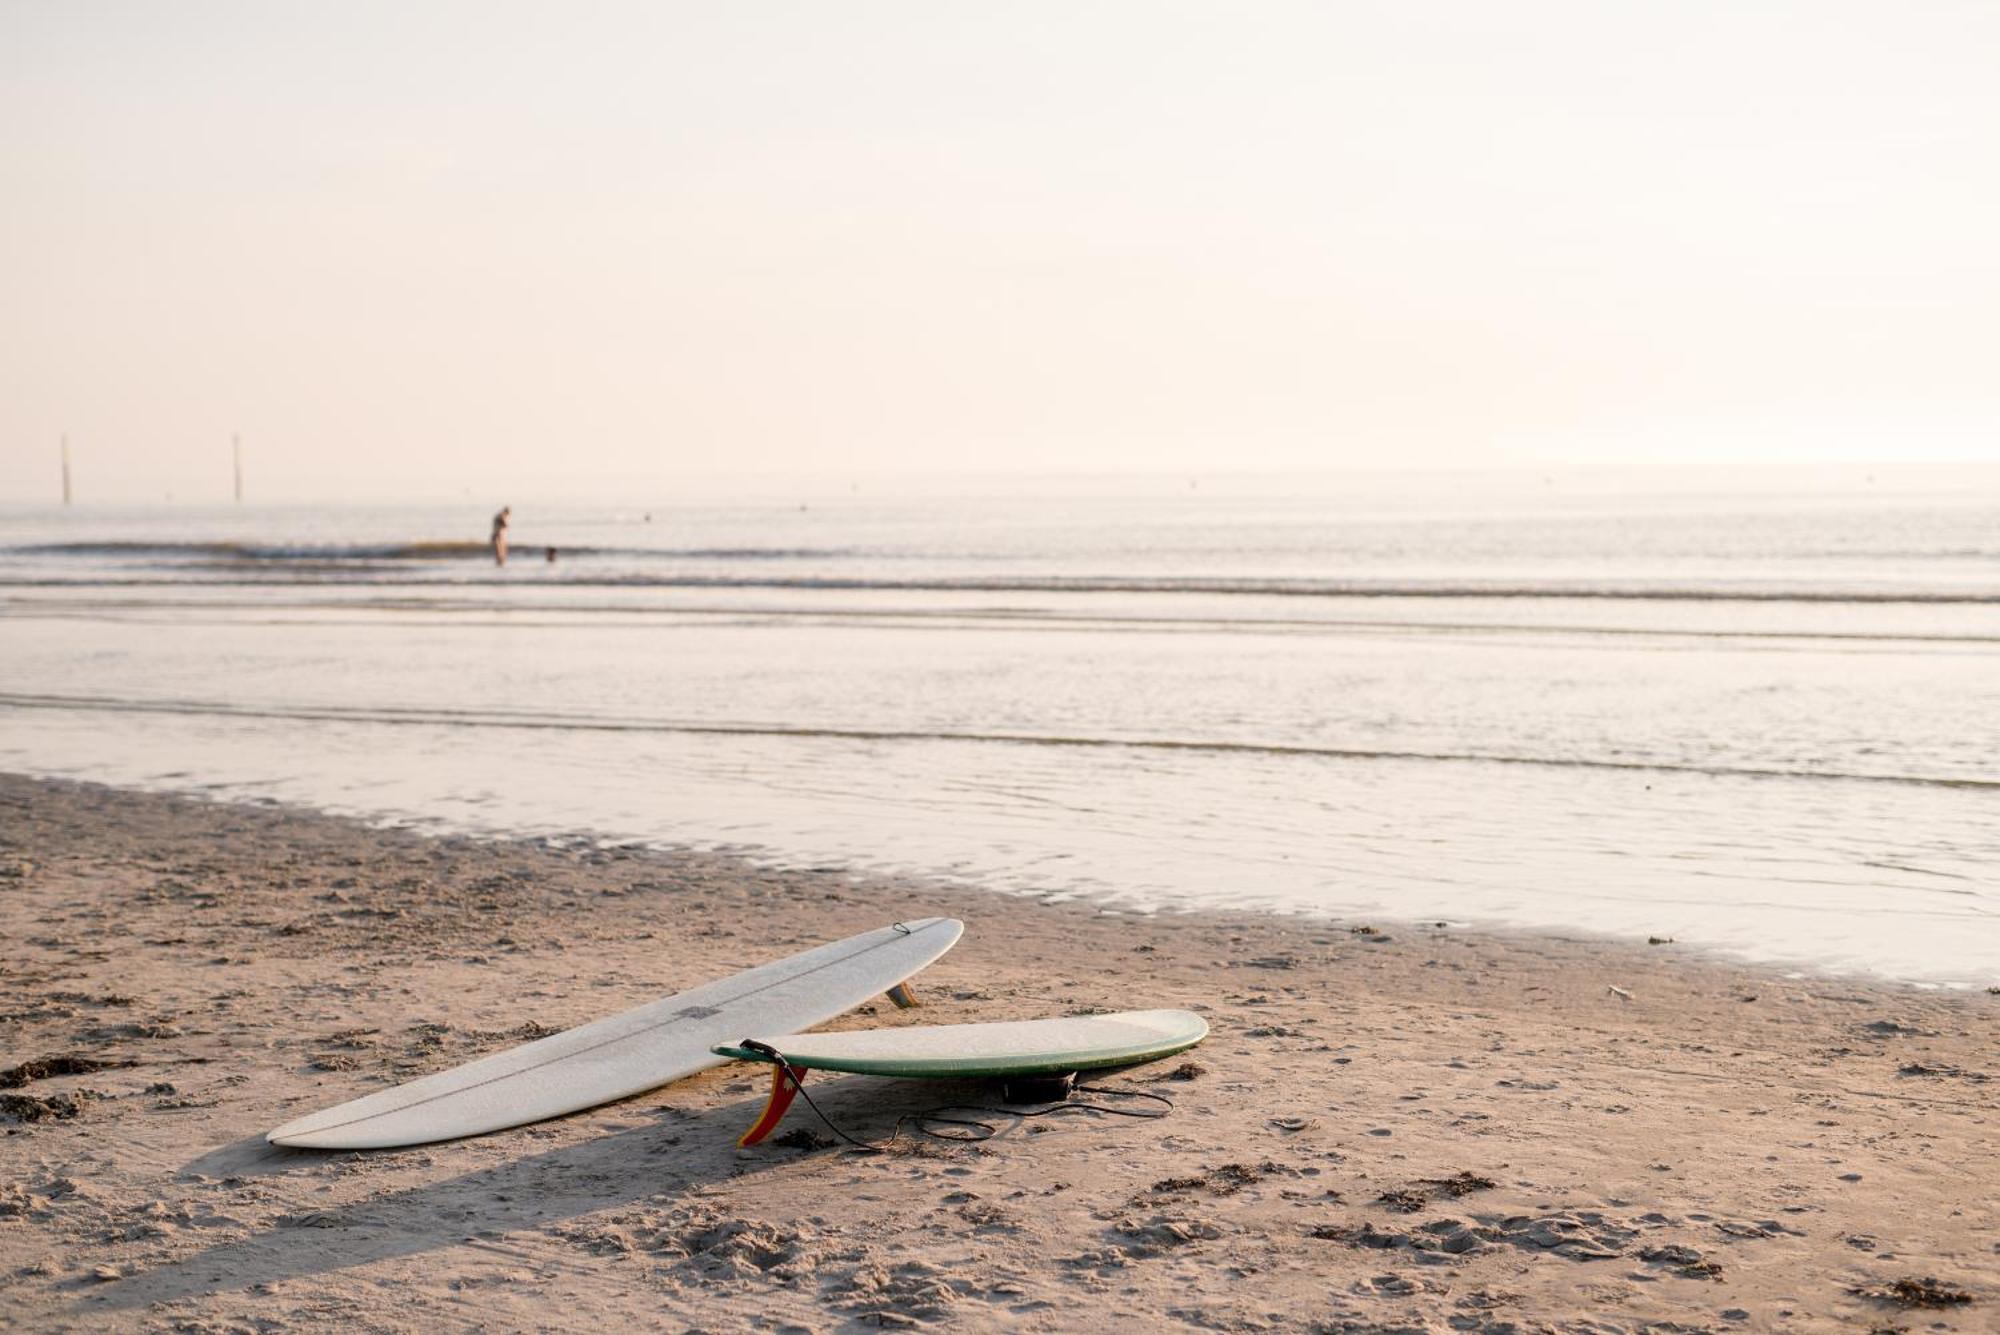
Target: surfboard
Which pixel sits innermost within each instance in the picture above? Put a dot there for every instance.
(632, 1052)
(1005, 1049)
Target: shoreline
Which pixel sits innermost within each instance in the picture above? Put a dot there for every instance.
(1106, 899)
(1681, 1148)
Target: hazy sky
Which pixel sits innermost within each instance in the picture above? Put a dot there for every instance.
(419, 247)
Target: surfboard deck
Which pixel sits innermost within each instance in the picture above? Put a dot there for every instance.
(1006, 1048)
(629, 1053)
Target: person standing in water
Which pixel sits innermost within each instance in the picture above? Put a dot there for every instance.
(500, 535)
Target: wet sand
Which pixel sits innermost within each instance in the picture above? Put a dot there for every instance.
(1391, 1128)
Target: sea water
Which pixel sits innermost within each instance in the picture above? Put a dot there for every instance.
(1757, 715)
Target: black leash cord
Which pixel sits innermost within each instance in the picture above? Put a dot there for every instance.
(985, 1130)
(976, 1129)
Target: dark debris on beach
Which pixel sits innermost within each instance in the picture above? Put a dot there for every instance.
(1416, 1195)
(43, 1068)
(54, 1108)
(1915, 1292)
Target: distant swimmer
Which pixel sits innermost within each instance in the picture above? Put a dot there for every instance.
(500, 535)
(552, 556)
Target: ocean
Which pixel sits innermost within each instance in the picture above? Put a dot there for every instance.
(1756, 714)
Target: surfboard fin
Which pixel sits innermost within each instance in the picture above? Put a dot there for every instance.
(785, 1081)
(903, 995)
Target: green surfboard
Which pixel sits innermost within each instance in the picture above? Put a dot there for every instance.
(1008, 1048)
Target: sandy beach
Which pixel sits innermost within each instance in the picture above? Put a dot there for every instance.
(1450, 552)
(1392, 1127)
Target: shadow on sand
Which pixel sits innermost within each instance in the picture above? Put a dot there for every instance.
(683, 1151)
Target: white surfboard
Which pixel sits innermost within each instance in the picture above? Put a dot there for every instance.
(628, 1054)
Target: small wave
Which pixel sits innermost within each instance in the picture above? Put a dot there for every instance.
(301, 570)
(1316, 587)
(437, 550)
(389, 564)
(251, 551)
(572, 723)
(456, 607)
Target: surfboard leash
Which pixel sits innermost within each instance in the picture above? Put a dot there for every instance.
(974, 1129)
(984, 1130)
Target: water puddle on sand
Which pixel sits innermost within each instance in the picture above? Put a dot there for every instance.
(1843, 876)
(1756, 718)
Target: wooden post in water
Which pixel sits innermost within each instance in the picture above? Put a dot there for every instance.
(236, 451)
(65, 452)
